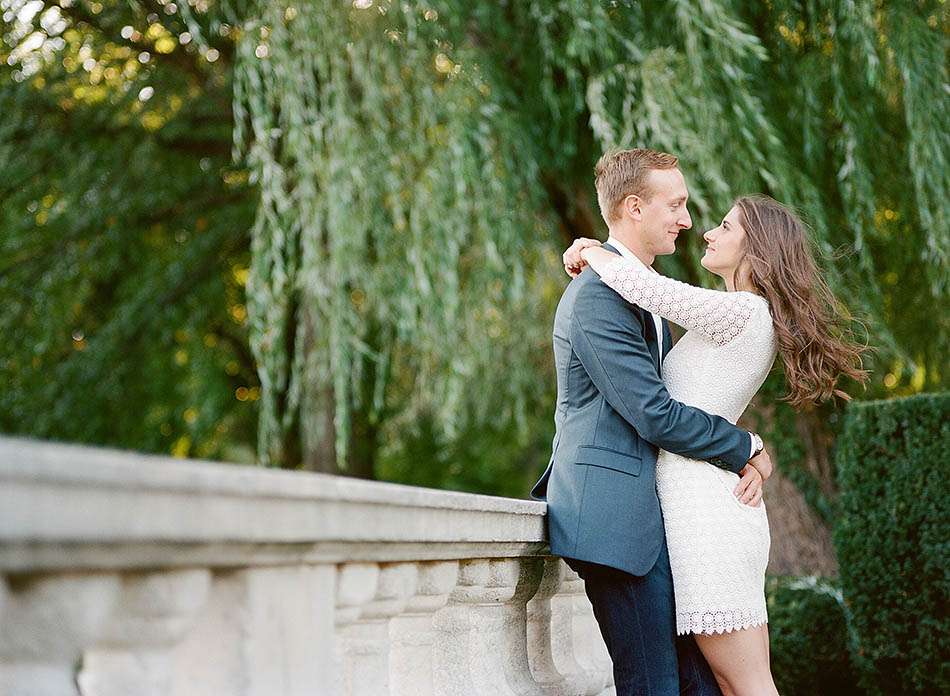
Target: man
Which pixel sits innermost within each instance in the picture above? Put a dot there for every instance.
(612, 414)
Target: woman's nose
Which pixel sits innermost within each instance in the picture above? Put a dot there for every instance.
(709, 236)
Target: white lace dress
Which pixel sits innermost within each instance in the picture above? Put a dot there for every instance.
(718, 546)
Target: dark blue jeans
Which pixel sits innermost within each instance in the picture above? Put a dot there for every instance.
(637, 619)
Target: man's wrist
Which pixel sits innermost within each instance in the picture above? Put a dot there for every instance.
(757, 445)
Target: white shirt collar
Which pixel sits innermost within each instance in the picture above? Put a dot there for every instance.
(625, 252)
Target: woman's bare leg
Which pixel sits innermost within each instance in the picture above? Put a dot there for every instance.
(740, 661)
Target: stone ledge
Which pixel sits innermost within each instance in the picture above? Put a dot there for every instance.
(70, 464)
(80, 505)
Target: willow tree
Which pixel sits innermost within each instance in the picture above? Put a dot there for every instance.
(416, 167)
(412, 163)
(393, 243)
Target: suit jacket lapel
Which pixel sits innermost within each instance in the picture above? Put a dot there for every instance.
(667, 341)
(652, 339)
(667, 338)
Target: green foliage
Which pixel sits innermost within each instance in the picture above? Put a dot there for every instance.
(404, 181)
(125, 232)
(892, 541)
(393, 232)
(428, 458)
(351, 145)
(809, 638)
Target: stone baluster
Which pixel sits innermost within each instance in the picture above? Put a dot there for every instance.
(368, 594)
(46, 622)
(578, 651)
(554, 670)
(355, 586)
(413, 633)
(124, 574)
(483, 646)
(153, 614)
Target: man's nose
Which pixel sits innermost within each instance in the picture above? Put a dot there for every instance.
(686, 221)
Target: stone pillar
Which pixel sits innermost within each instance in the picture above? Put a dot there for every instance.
(413, 633)
(360, 667)
(483, 646)
(46, 622)
(287, 628)
(154, 612)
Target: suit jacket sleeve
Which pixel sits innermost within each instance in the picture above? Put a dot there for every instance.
(607, 337)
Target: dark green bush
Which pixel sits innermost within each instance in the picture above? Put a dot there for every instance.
(893, 541)
(808, 634)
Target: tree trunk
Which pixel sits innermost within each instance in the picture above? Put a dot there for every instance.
(817, 440)
(801, 540)
(364, 442)
(318, 434)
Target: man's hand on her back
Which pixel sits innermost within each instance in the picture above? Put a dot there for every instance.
(763, 464)
(749, 488)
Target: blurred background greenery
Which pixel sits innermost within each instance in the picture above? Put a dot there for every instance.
(326, 235)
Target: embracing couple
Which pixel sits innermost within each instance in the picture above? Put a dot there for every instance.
(654, 495)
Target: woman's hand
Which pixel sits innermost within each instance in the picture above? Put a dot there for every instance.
(749, 488)
(573, 262)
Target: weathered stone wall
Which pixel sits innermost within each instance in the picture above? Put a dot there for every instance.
(123, 574)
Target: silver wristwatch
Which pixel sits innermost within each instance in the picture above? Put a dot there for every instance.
(757, 443)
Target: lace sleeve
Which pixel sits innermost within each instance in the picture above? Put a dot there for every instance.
(719, 316)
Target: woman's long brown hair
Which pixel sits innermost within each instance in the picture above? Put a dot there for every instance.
(813, 329)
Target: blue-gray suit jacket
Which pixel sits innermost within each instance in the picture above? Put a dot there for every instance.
(613, 412)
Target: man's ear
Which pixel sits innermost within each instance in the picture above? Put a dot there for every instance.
(631, 207)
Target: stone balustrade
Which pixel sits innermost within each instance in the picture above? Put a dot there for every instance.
(130, 575)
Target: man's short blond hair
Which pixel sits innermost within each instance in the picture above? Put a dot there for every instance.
(622, 173)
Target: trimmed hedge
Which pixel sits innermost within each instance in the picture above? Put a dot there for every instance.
(808, 635)
(893, 541)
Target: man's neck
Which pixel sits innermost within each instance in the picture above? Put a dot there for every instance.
(633, 245)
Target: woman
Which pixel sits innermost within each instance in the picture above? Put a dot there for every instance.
(774, 302)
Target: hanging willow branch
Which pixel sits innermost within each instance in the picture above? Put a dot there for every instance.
(392, 207)
(399, 146)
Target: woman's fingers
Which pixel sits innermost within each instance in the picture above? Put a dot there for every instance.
(573, 262)
(572, 257)
(573, 270)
